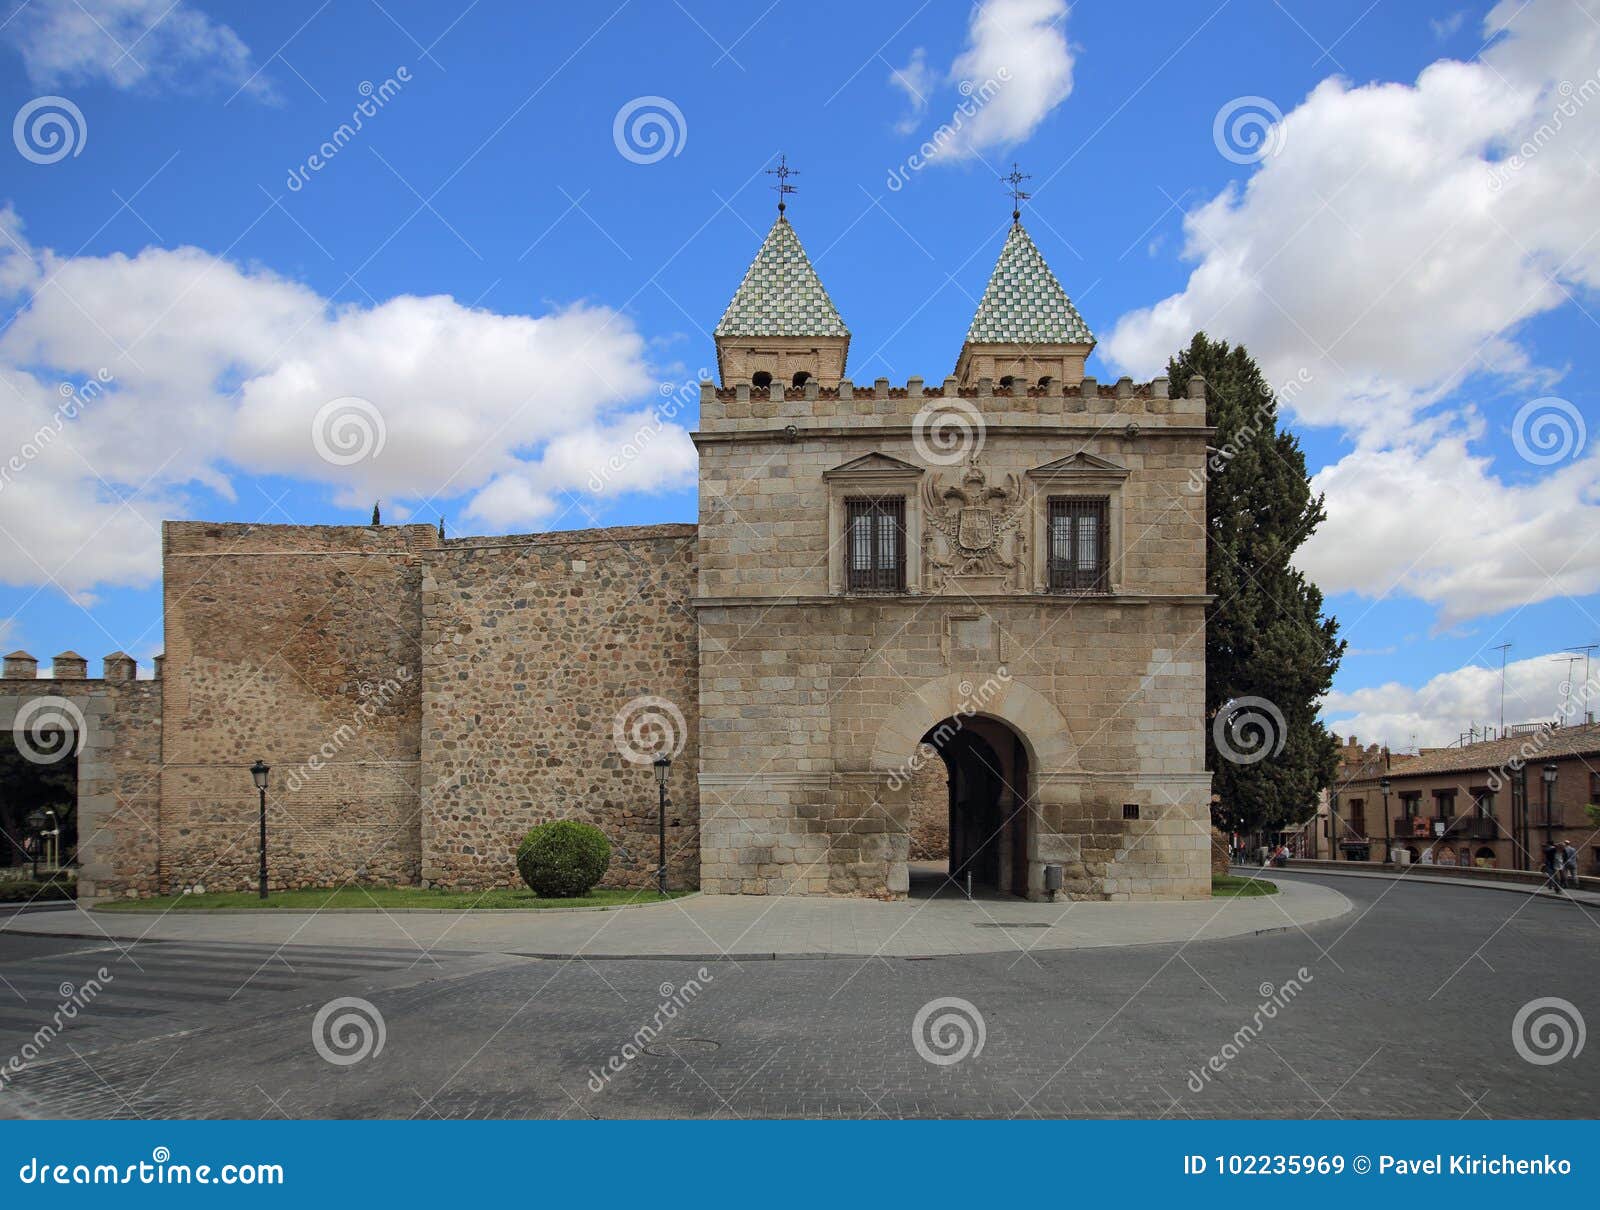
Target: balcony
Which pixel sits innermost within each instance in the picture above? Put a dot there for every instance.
(1408, 827)
(1474, 827)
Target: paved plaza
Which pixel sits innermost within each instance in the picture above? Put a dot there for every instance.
(1405, 1008)
(742, 926)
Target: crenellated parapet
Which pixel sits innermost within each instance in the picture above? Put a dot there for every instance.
(1086, 404)
(70, 666)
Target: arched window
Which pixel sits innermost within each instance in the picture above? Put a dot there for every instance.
(1045, 381)
(801, 377)
(761, 379)
(1007, 381)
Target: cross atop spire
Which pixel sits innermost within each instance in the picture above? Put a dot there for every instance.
(1014, 179)
(783, 172)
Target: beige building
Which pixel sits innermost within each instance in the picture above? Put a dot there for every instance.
(1000, 576)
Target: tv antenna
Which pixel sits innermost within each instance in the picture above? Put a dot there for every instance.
(1502, 649)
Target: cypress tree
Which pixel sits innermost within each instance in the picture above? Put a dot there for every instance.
(1267, 639)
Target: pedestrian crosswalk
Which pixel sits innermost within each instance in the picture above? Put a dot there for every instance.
(125, 988)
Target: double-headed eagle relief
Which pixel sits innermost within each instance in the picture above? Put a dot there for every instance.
(973, 529)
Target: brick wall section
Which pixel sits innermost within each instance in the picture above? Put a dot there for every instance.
(119, 777)
(298, 645)
(532, 647)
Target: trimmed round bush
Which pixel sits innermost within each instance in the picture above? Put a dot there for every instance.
(563, 859)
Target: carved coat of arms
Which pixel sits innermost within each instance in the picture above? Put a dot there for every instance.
(973, 527)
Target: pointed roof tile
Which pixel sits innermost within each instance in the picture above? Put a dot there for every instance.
(1024, 303)
(781, 294)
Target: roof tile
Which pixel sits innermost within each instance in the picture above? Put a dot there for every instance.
(781, 294)
(1024, 303)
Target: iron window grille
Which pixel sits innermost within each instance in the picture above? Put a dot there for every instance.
(875, 537)
(1079, 559)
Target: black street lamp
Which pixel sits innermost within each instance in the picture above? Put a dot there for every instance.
(258, 773)
(1548, 776)
(1388, 823)
(663, 766)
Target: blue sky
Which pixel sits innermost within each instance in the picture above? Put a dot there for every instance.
(515, 291)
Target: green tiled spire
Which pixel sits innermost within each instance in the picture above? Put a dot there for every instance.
(1024, 303)
(781, 294)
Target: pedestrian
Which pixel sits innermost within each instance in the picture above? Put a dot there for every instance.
(1552, 872)
(1569, 864)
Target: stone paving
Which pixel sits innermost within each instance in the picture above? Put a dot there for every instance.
(1405, 1009)
(743, 926)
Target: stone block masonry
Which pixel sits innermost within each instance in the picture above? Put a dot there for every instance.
(548, 661)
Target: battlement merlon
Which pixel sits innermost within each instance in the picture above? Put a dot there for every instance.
(729, 413)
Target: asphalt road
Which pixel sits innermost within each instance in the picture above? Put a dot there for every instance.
(1409, 1007)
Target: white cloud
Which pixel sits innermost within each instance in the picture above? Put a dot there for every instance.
(1448, 26)
(1374, 251)
(1015, 69)
(1436, 713)
(1435, 523)
(214, 368)
(915, 79)
(1388, 250)
(128, 43)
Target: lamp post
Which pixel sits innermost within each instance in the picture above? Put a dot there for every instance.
(1548, 776)
(1388, 823)
(258, 773)
(663, 766)
(35, 822)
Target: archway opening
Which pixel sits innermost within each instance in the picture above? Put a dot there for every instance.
(761, 378)
(971, 812)
(38, 800)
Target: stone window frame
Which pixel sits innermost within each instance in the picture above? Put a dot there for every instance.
(1078, 476)
(879, 476)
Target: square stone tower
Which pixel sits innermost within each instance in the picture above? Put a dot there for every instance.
(1003, 574)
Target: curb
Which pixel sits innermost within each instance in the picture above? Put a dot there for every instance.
(378, 911)
(1516, 888)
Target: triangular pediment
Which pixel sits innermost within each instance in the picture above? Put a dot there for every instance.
(871, 466)
(1081, 463)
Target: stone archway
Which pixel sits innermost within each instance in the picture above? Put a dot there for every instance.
(1030, 750)
(1028, 712)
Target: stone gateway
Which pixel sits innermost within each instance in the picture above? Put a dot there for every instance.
(959, 621)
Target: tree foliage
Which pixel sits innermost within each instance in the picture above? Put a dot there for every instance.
(1266, 636)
